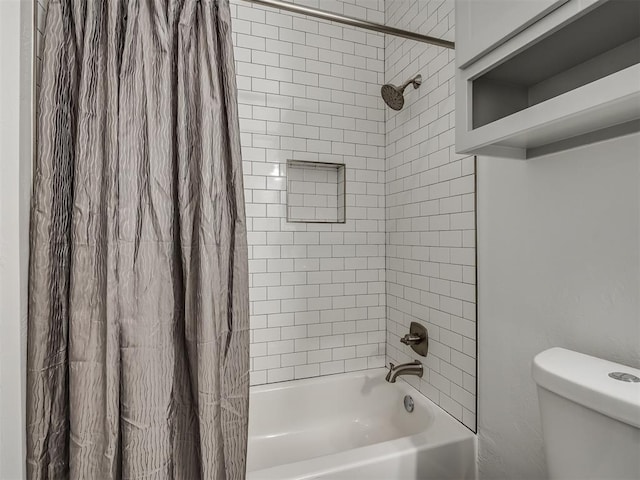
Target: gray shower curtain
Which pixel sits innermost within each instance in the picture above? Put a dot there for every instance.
(138, 346)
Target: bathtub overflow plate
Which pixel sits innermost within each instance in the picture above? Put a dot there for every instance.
(624, 377)
(408, 403)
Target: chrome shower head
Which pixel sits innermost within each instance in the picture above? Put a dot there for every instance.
(393, 96)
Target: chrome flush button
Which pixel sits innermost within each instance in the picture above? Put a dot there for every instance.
(624, 377)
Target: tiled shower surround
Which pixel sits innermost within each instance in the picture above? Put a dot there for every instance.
(310, 90)
(430, 213)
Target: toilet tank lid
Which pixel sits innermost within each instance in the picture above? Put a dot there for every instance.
(585, 380)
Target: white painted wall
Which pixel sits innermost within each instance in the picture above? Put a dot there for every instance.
(16, 19)
(558, 265)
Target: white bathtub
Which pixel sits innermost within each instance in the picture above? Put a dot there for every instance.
(353, 426)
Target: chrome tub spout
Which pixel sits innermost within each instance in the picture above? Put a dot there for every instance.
(413, 368)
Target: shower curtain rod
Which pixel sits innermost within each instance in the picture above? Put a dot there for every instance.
(354, 22)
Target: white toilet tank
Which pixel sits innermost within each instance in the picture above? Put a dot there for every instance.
(590, 421)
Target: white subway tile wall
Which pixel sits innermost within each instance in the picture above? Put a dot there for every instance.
(309, 91)
(430, 213)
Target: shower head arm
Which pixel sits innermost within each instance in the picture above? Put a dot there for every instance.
(416, 81)
(394, 96)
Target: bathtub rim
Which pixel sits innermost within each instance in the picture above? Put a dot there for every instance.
(312, 467)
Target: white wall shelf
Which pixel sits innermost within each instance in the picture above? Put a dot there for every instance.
(578, 75)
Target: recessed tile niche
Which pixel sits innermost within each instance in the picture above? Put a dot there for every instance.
(315, 192)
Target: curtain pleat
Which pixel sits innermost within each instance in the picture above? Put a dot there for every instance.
(138, 340)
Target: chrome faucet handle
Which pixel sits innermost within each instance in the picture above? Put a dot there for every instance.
(411, 339)
(417, 338)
